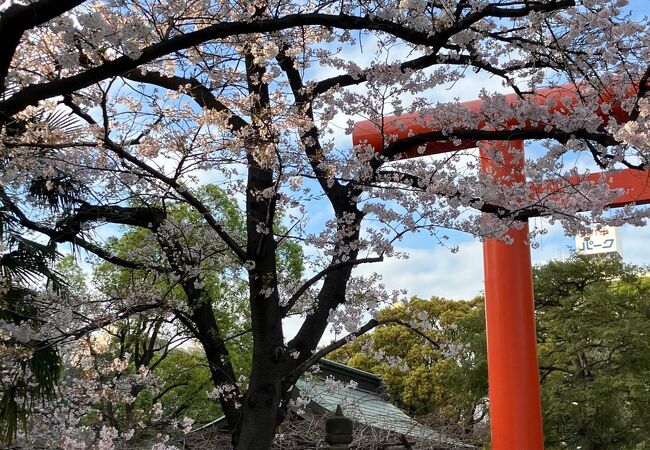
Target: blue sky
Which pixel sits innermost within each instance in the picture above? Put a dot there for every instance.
(434, 270)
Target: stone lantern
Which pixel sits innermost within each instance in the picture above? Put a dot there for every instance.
(338, 431)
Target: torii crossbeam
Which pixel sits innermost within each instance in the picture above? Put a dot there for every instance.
(513, 374)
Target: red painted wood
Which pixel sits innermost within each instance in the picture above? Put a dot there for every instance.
(634, 184)
(515, 405)
(558, 100)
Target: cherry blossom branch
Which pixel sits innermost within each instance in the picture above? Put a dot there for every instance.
(371, 324)
(313, 280)
(148, 217)
(507, 11)
(643, 92)
(340, 197)
(182, 190)
(71, 235)
(201, 94)
(333, 291)
(185, 320)
(17, 19)
(414, 181)
(412, 142)
(421, 62)
(108, 257)
(598, 156)
(32, 94)
(202, 322)
(96, 324)
(310, 139)
(53, 146)
(502, 212)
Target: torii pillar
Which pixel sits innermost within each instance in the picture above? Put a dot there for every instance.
(513, 374)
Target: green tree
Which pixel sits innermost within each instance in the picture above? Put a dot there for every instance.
(443, 374)
(188, 384)
(223, 287)
(593, 314)
(153, 338)
(157, 340)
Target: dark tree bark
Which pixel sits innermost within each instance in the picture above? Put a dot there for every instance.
(17, 19)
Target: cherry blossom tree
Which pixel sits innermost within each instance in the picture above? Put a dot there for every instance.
(112, 111)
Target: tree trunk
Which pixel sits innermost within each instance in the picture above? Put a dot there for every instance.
(260, 411)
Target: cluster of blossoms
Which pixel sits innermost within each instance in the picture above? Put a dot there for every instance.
(80, 416)
(119, 114)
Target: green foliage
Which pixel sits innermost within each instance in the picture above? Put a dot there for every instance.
(184, 374)
(75, 279)
(452, 387)
(593, 317)
(222, 286)
(594, 352)
(37, 367)
(181, 383)
(187, 370)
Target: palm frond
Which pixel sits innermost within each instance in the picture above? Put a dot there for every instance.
(18, 398)
(36, 376)
(57, 191)
(28, 261)
(10, 415)
(61, 120)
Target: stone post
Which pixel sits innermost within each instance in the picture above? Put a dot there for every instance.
(338, 431)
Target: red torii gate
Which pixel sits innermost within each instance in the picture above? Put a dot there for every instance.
(513, 376)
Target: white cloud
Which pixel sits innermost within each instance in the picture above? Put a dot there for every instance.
(459, 276)
(434, 271)
(633, 242)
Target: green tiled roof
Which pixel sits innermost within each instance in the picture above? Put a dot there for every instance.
(370, 409)
(366, 403)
